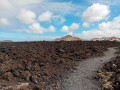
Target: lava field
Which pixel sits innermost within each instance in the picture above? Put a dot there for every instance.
(42, 65)
(109, 76)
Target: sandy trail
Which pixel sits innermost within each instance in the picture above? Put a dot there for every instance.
(82, 78)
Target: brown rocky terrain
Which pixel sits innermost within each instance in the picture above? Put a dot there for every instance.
(69, 38)
(6, 41)
(83, 76)
(73, 39)
(110, 74)
(42, 65)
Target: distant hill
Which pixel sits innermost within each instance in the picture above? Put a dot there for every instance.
(6, 41)
(69, 38)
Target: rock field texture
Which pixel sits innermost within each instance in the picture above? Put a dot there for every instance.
(42, 65)
(110, 74)
(83, 77)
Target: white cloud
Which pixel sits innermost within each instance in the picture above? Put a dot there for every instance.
(115, 24)
(37, 28)
(5, 4)
(46, 16)
(62, 8)
(72, 27)
(38, 6)
(58, 19)
(96, 12)
(106, 2)
(49, 16)
(25, 2)
(86, 25)
(65, 29)
(51, 29)
(70, 33)
(62, 20)
(27, 16)
(105, 29)
(99, 33)
(4, 22)
(12, 8)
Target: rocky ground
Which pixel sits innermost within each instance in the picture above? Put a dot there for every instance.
(42, 65)
(110, 74)
(83, 77)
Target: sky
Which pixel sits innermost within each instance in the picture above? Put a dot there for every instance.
(35, 20)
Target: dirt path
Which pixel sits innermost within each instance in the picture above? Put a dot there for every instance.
(82, 78)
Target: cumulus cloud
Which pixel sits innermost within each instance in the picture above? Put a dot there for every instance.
(27, 16)
(37, 28)
(115, 24)
(65, 28)
(39, 6)
(72, 27)
(4, 22)
(96, 12)
(105, 29)
(12, 9)
(46, 16)
(99, 33)
(49, 16)
(86, 25)
(51, 29)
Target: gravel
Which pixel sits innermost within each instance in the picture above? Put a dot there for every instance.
(82, 78)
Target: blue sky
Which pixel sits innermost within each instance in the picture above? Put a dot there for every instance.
(29, 20)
